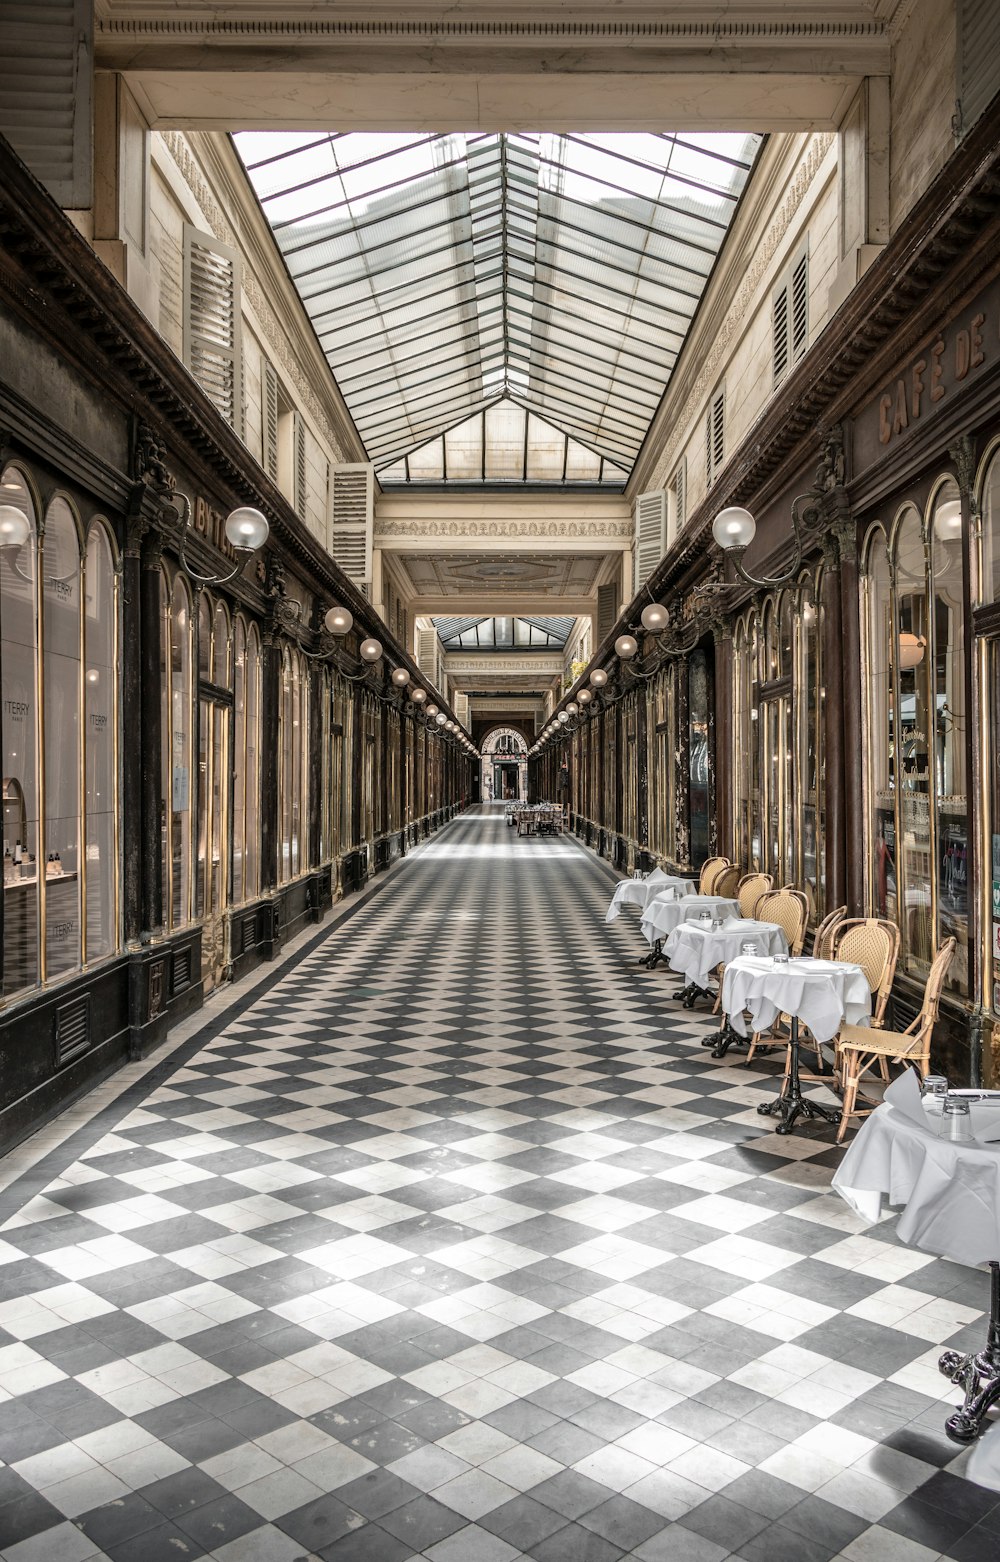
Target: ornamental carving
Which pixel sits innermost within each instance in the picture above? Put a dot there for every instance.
(407, 528)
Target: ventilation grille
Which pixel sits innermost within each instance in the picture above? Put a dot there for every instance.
(679, 487)
(299, 504)
(72, 1027)
(212, 348)
(715, 436)
(46, 68)
(790, 319)
(270, 422)
(248, 934)
(180, 970)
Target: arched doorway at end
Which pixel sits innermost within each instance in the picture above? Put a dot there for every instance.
(505, 766)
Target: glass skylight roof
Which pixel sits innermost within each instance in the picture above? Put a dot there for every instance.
(503, 634)
(546, 281)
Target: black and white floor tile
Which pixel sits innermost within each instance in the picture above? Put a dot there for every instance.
(456, 1244)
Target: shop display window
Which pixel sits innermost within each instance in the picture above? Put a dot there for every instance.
(20, 715)
(914, 679)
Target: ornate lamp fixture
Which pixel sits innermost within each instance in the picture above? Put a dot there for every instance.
(814, 513)
(246, 531)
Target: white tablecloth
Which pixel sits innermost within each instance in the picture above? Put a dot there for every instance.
(696, 952)
(823, 993)
(662, 914)
(638, 892)
(951, 1191)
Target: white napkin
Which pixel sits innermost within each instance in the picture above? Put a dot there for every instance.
(904, 1095)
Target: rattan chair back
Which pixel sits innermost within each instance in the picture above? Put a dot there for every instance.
(790, 910)
(750, 889)
(873, 944)
(711, 869)
(825, 935)
(726, 883)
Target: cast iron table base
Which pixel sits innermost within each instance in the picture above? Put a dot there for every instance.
(726, 1037)
(791, 1103)
(652, 960)
(978, 1374)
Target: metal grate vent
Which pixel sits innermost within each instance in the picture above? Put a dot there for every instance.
(72, 1030)
(248, 934)
(180, 970)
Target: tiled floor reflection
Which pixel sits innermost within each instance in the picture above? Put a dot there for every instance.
(457, 1245)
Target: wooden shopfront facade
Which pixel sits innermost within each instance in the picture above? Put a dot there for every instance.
(841, 730)
(190, 777)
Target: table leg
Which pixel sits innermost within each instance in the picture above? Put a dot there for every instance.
(978, 1374)
(790, 1103)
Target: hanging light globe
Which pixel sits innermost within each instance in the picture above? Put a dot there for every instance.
(15, 528)
(598, 677)
(626, 646)
(654, 617)
(734, 527)
(338, 621)
(246, 529)
(400, 677)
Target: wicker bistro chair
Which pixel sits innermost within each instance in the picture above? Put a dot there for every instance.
(790, 910)
(750, 890)
(710, 871)
(726, 882)
(860, 1047)
(873, 944)
(826, 933)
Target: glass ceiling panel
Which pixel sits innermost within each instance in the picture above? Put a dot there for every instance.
(500, 307)
(503, 634)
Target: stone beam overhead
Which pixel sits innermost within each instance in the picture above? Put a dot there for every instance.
(415, 523)
(240, 65)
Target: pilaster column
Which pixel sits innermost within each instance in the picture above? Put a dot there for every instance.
(725, 766)
(845, 797)
(142, 708)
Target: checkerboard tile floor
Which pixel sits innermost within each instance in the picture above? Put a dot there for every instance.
(455, 1244)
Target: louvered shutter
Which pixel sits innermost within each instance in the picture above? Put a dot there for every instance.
(351, 521)
(800, 306)
(270, 421)
(978, 59)
(607, 610)
(212, 336)
(427, 654)
(462, 709)
(779, 333)
(299, 434)
(650, 533)
(46, 89)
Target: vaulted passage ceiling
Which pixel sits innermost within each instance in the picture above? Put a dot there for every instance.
(500, 308)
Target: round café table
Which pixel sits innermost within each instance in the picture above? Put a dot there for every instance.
(823, 993)
(950, 1195)
(696, 950)
(665, 912)
(639, 892)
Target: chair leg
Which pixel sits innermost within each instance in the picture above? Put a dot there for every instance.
(883, 1065)
(754, 1043)
(849, 1076)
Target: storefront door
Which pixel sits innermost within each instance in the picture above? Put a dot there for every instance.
(214, 836)
(991, 983)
